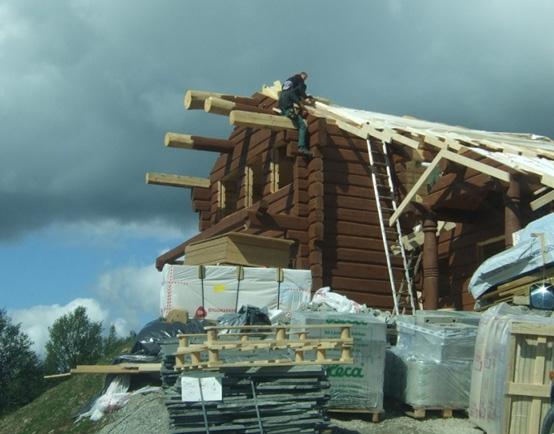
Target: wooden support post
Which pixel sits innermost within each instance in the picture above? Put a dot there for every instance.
(412, 193)
(185, 141)
(346, 351)
(512, 212)
(176, 180)
(260, 120)
(430, 262)
(299, 354)
(280, 333)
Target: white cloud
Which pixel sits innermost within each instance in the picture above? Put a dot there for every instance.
(132, 291)
(35, 320)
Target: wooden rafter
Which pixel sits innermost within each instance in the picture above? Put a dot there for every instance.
(176, 180)
(260, 120)
(185, 141)
(542, 201)
(477, 165)
(412, 193)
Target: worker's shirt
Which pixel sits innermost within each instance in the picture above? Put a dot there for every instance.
(294, 89)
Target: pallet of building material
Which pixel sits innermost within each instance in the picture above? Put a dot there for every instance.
(251, 400)
(358, 387)
(442, 412)
(281, 345)
(512, 292)
(510, 388)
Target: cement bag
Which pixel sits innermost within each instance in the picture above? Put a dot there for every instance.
(360, 385)
(224, 289)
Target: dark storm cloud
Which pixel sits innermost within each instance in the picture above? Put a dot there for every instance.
(88, 88)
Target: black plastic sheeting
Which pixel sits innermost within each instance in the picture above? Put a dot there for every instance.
(247, 315)
(148, 339)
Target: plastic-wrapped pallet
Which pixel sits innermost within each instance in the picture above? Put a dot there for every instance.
(509, 383)
(430, 367)
(360, 385)
(224, 289)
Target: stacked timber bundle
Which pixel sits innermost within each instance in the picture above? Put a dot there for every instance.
(291, 399)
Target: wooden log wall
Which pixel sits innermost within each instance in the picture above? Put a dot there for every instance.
(254, 148)
(353, 259)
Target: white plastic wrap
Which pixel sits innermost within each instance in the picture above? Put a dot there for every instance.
(220, 291)
(487, 407)
(431, 364)
(359, 385)
(114, 397)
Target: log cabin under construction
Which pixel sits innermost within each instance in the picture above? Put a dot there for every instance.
(459, 195)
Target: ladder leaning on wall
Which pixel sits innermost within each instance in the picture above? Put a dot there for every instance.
(383, 187)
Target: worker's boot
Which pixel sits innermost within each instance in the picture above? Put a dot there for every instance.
(306, 152)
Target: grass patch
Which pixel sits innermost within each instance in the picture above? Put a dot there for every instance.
(53, 412)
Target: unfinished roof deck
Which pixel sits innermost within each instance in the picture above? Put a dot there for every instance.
(485, 185)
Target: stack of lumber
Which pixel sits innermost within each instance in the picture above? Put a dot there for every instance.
(515, 291)
(275, 399)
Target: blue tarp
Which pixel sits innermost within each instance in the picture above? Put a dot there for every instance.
(534, 249)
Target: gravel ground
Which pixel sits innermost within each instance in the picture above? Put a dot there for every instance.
(143, 414)
(405, 425)
(146, 414)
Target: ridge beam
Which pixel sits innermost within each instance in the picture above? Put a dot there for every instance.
(194, 99)
(185, 141)
(260, 120)
(176, 180)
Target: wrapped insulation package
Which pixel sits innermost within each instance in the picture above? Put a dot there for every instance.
(430, 367)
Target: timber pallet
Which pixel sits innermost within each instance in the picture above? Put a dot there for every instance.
(376, 415)
(262, 346)
(426, 412)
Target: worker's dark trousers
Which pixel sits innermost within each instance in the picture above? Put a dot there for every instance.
(299, 123)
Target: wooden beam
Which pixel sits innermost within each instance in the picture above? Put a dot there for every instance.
(260, 120)
(194, 99)
(123, 368)
(412, 193)
(542, 201)
(185, 141)
(176, 180)
(477, 165)
(220, 106)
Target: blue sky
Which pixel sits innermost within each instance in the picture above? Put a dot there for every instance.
(89, 88)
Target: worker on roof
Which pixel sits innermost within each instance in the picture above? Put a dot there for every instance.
(292, 99)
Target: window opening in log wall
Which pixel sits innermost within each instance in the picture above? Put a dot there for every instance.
(228, 194)
(282, 169)
(254, 182)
